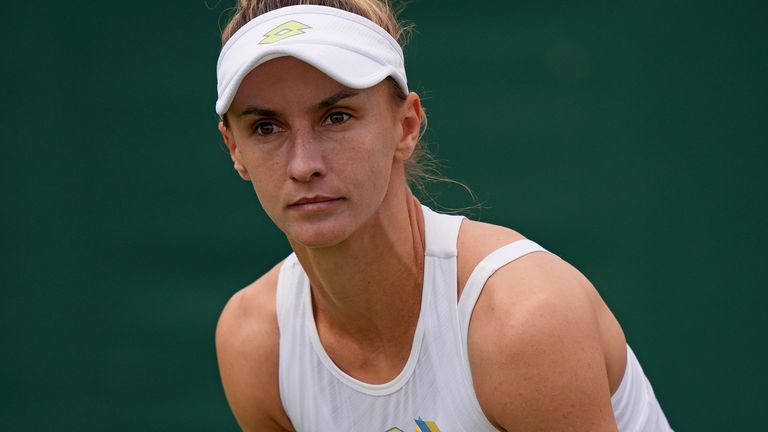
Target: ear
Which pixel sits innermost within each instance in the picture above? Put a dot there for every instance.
(410, 117)
(234, 152)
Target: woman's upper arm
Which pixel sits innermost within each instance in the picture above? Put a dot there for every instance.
(247, 348)
(535, 350)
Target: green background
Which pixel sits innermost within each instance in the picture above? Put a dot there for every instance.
(627, 137)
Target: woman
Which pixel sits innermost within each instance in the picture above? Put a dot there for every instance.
(389, 316)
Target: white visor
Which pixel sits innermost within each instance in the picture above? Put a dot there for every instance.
(351, 49)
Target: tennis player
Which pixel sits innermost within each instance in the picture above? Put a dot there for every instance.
(389, 316)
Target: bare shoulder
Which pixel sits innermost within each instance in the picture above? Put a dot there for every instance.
(247, 348)
(476, 241)
(549, 349)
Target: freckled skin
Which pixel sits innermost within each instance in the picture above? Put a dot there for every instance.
(308, 155)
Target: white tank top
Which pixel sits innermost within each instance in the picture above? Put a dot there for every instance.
(434, 390)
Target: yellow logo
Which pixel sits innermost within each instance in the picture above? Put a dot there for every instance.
(284, 31)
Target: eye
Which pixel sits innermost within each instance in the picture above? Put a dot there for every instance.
(337, 117)
(266, 128)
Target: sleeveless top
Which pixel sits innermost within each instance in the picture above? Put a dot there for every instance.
(434, 390)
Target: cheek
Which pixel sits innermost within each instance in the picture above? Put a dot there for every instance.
(265, 178)
(372, 163)
(268, 192)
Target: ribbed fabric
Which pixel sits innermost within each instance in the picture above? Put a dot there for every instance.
(434, 390)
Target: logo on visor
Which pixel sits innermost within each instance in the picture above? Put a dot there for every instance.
(284, 31)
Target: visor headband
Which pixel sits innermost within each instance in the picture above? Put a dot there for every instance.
(347, 47)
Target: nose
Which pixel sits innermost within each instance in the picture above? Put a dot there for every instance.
(306, 158)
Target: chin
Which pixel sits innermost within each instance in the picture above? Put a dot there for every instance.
(318, 234)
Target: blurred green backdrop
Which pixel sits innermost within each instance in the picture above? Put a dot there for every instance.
(627, 137)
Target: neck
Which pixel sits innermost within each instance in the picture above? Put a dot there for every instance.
(368, 288)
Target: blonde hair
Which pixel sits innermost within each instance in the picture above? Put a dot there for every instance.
(380, 12)
(421, 167)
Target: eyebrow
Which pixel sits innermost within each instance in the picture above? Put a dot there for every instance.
(255, 110)
(334, 99)
(323, 104)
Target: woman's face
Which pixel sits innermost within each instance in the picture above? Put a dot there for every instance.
(321, 156)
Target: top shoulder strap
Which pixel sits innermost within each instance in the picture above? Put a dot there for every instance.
(442, 233)
(289, 289)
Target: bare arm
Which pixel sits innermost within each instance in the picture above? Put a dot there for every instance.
(247, 339)
(540, 344)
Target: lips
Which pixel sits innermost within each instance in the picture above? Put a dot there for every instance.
(315, 199)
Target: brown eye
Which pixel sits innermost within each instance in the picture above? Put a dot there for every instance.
(266, 128)
(338, 117)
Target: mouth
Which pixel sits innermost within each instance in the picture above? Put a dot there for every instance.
(314, 201)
